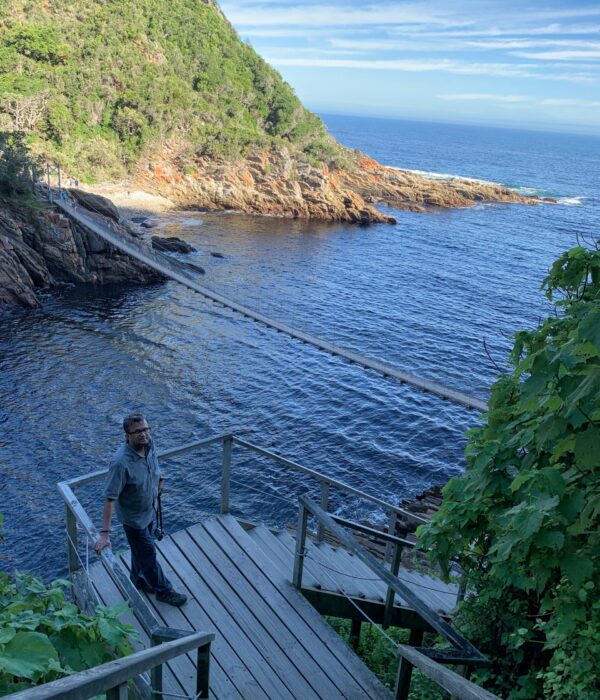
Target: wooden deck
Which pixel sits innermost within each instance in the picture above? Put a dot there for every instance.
(270, 642)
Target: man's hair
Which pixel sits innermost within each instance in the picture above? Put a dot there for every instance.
(132, 418)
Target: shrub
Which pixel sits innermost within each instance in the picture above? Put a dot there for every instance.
(523, 520)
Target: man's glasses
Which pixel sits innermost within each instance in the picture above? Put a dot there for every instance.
(139, 431)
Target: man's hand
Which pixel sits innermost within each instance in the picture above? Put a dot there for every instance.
(102, 542)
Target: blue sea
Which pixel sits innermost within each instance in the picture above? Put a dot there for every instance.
(424, 294)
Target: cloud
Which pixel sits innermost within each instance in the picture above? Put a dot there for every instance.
(569, 102)
(559, 55)
(339, 16)
(505, 70)
(483, 97)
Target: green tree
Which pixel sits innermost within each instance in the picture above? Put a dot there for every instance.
(523, 519)
(16, 165)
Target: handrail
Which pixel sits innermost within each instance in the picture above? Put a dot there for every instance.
(467, 652)
(328, 480)
(198, 444)
(459, 687)
(143, 613)
(430, 616)
(111, 675)
(169, 269)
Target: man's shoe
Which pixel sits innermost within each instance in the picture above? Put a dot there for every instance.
(172, 598)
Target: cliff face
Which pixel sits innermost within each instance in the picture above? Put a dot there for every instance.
(42, 249)
(277, 183)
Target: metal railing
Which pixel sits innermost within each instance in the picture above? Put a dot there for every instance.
(429, 660)
(112, 678)
(76, 515)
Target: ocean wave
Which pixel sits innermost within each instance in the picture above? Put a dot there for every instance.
(571, 201)
(444, 176)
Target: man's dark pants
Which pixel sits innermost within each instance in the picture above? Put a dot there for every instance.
(145, 569)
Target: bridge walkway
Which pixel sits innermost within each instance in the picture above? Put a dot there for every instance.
(177, 271)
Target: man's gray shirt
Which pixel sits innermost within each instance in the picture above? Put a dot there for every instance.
(132, 482)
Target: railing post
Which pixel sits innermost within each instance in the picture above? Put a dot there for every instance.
(462, 589)
(391, 531)
(71, 524)
(389, 600)
(300, 546)
(226, 474)
(405, 668)
(203, 671)
(355, 628)
(119, 692)
(156, 673)
(324, 506)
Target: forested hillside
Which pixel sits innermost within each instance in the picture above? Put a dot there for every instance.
(95, 83)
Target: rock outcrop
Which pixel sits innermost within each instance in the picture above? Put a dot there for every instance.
(40, 249)
(171, 244)
(275, 183)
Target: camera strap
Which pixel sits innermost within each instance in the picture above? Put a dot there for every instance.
(159, 516)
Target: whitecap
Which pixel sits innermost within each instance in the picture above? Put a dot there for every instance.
(443, 176)
(570, 201)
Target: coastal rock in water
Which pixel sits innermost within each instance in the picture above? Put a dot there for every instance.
(96, 204)
(277, 183)
(215, 254)
(41, 250)
(171, 244)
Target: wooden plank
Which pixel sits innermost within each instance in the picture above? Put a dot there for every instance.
(234, 651)
(324, 558)
(281, 650)
(327, 677)
(220, 685)
(109, 594)
(320, 638)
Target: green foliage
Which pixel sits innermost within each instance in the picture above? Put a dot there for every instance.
(523, 520)
(377, 652)
(43, 636)
(101, 84)
(16, 165)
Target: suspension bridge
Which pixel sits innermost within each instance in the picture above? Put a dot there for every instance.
(177, 271)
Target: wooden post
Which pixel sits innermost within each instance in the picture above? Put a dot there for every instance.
(59, 181)
(49, 182)
(389, 600)
(203, 671)
(391, 531)
(71, 523)
(119, 692)
(156, 673)
(300, 546)
(226, 474)
(324, 506)
(405, 668)
(355, 633)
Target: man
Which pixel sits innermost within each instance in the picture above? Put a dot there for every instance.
(134, 482)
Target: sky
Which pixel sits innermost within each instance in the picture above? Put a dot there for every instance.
(511, 63)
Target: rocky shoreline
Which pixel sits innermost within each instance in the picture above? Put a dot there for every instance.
(275, 183)
(41, 248)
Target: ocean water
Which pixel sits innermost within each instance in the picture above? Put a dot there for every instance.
(424, 294)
